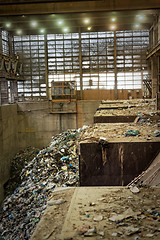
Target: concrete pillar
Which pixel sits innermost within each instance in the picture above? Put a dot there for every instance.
(158, 101)
(115, 68)
(80, 66)
(46, 65)
(154, 75)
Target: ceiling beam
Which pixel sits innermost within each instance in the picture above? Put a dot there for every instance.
(7, 9)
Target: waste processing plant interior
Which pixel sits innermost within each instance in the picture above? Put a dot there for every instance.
(79, 119)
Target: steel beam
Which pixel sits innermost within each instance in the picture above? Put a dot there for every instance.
(40, 7)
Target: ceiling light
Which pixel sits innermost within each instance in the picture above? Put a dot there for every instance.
(42, 30)
(8, 25)
(65, 29)
(34, 23)
(113, 27)
(137, 25)
(89, 28)
(113, 19)
(140, 17)
(60, 22)
(19, 31)
(86, 20)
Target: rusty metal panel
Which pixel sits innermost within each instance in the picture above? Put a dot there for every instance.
(114, 119)
(114, 165)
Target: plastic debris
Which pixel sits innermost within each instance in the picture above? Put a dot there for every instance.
(114, 234)
(91, 204)
(157, 135)
(132, 133)
(134, 189)
(131, 230)
(149, 235)
(55, 202)
(91, 232)
(128, 213)
(98, 218)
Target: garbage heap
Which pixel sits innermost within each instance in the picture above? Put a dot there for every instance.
(17, 164)
(54, 166)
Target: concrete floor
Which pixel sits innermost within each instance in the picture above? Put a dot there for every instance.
(88, 212)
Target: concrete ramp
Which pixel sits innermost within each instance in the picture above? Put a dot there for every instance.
(102, 213)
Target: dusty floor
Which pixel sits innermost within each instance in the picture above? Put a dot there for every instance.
(115, 132)
(102, 213)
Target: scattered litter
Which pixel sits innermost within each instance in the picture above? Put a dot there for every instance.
(101, 234)
(114, 234)
(91, 232)
(132, 133)
(55, 202)
(157, 135)
(134, 189)
(128, 213)
(98, 218)
(131, 230)
(149, 235)
(91, 204)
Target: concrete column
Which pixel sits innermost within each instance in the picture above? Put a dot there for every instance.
(46, 65)
(80, 66)
(1, 45)
(158, 101)
(115, 67)
(154, 75)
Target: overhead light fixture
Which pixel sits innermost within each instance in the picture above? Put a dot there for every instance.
(42, 30)
(8, 25)
(33, 23)
(19, 31)
(137, 25)
(60, 22)
(86, 20)
(89, 28)
(65, 29)
(113, 27)
(113, 19)
(140, 17)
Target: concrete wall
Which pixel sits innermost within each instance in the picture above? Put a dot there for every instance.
(38, 122)
(34, 124)
(8, 141)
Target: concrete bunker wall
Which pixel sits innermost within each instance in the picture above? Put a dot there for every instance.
(34, 124)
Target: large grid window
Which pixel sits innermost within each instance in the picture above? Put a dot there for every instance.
(5, 42)
(131, 58)
(63, 57)
(31, 50)
(92, 54)
(98, 60)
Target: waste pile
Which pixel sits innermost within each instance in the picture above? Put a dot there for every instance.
(54, 166)
(135, 107)
(17, 164)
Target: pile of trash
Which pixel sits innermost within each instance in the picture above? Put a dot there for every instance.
(17, 164)
(54, 166)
